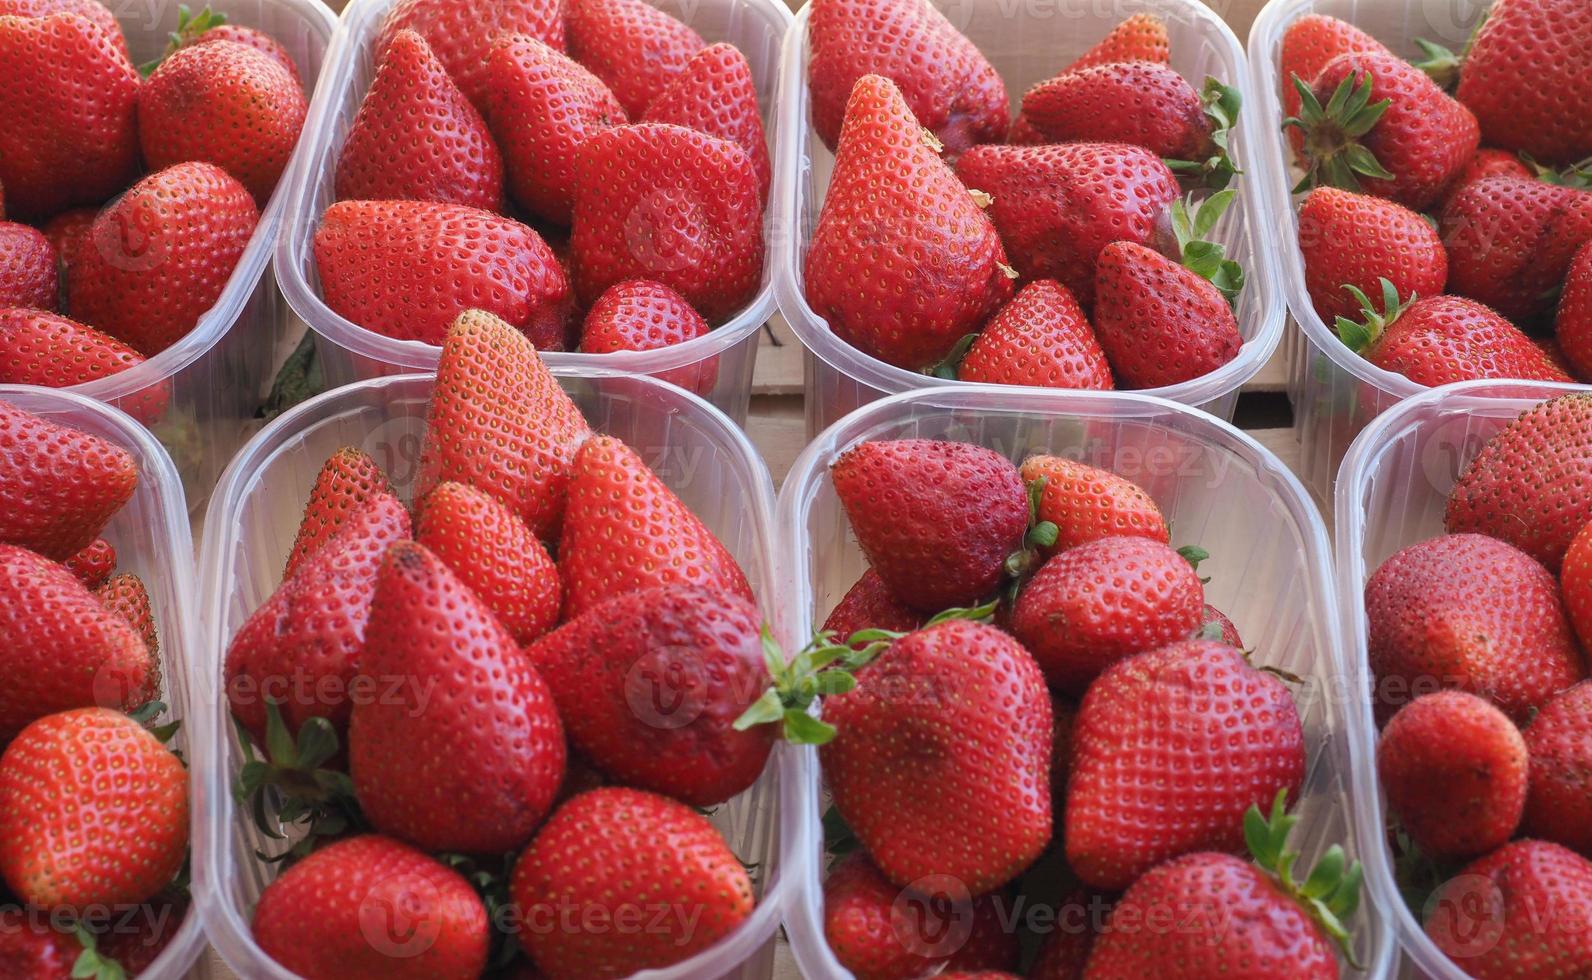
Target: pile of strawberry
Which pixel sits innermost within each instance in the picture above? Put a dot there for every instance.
(93, 805)
(1477, 643)
(1437, 236)
(1072, 765)
(634, 147)
(1078, 203)
(189, 154)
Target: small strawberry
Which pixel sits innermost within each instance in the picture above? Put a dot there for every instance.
(418, 138)
(1086, 503)
(346, 480)
(635, 48)
(126, 596)
(90, 10)
(1215, 625)
(1142, 37)
(461, 33)
(68, 232)
(1526, 57)
(1511, 241)
(28, 273)
(1307, 45)
(868, 605)
(1521, 911)
(1023, 133)
(210, 27)
(1349, 239)
(39, 348)
(1040, 338)
(1489, 161)
(94, 565)
(1573, 325)
(58, 487)
(642, 315)
(1559, 739)
(715, 94)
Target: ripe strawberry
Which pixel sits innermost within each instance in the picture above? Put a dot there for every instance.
(1521, 487)
(53, 785)
(461, 34)
(642, 315)
(1057, 206)
(495, 555)
(68, 232)
(1559, 739)
(1468, 612)
(1573, 325)
(967, 795)
(407, 269)
(625, 530)
(33, 948)
(1489, 162)
(210, 27)
(135, 945)
(1521, 911)
(159, 258)
(28, 275)
(1575, 584)
(1142, 37)
(93, 565)
(372, 906)
(635, 48)
(542, 106)
(669, 204)
(1097, 603)
(58, 487)
(346, 480)
(868, 604)
(1349, 239)
(472, 761)
(1215, 625)
(1526, 58)
(1086, 503)
(68, 126)
(948, 85)
(1307, 45)
(1170, 748)
(418, 138)
(39, 348)
(1040, 338)
(714, 94)
(1510, 242)
(1023, 133)
(890, 196)
(126, 596)
(90, 10)
(1138, 102)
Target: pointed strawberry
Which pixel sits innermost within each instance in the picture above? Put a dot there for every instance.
(126, 596)
(635, 48)
(1040, 338)
(1349, 239)
(867, 605)
(714, 94)
(94, 565)
(1086, 503)
(1307, 45)
(1511, 241)
(28, 273)
(642, 315)
(39, 348)
(58, 487)
(461, 33)
(346, 480)
(1142, 37)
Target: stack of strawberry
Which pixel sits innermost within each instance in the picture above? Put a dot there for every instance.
(214, 124)
(1437, 237)
(638, 154)
(1477, 643)
(916, 264)
(93, 805)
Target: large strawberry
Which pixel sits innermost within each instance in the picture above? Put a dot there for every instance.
(407, 269)
(1573, 325)
(616, 855)
(639, 314)
(461, 33)
(346, 480)
(68, 114)
(1307, 45)
(418, 138)
(1559, 739)
(903, 263)
(38, 348)
(1086, 503)
(58, 487)
(467, 753)
(635, 48)
(868, 604)
(28, 274)
(1349, 239)
(1040, 338)
(1519, 912)
(1142, 37)
(1527, 60)
(715, 93)
(1170, 748)
(1511, 240)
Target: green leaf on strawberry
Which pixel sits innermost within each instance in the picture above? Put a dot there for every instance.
(1191, 225)
(1332, 132)
(1221, 104)
(292, 774)
(1330, 891)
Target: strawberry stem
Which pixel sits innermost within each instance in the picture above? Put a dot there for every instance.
(189, 26)
(91, 964)
(1221, 104)
(948, 366)
(1332, 133)
(1331, 890)
(1362, 336)
(291, 775)
(1192, 227)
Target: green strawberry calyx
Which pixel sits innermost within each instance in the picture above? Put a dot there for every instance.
(1332, 133)
(947, 368)
(1192, 227)
(320, 799)
(1440, 64)
(189, 26)
(1362, 336)
(1221, 104)
(1040, 535)
(91, 963)
(1330, 893)
(1194, 554)
(1577, 175)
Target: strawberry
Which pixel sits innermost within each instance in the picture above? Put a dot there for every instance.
(1058, 206)
(1489, 161)
(126, 596)
(642, 315)
(69, 127)
(1100, 602)
(1468, 612)
(1521, 911)
(346, 480)
(635, 48)
(1023, 133)
(1064, 716)
(1142, 37)
(1040, 338)
(372, 906)
(159, 258)
(1510, 242)
(1086, 503)
(1520, 487)
(34, 949)
(93, 565)
(967, 795)
(937, 520)
(541, 106)
(210, 27)
(715, 94)
(1307, 45)
(53, 784)
(68, 232)
(1559, 739)
(1526, 59)
(135, 945)
(626, 530)
(903, 262)
(1215, 625)
(461, 33)
(495, 555)
(947, 84)
(39, 348)
(1575, 584)
(669, 204)
(1349, 239)
(868, 604)
(418, 138)
(1170, 748)
(407, 269)
(92, 11)
(1573, 325)
(58, 487)
(28, 275)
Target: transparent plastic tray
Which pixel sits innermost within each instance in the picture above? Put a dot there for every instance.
(350, 352)
(1270, 571)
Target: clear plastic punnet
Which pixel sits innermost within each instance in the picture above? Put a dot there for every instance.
(350, 352)
(1027, 43)
(1270, 571)
(698, 451)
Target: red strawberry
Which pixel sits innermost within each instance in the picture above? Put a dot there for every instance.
(967, 794)
(1575, 584)
(1307, 45)
(714, 94)
(1040, 338)
(1023, 133)
(903, 262)
(53, 783)
(1215, 625)
(1573, 326)
(1555, 354)
(1086, 503)
(461, 33)
(1138, 102)
(90, 10)
(946, 81)
(668, 204)
(210, 27)
(58, 487)
(371, 906)
(1141, 37)
(126, 596)
(1349, 239)
(93, 565)
(159, 258)
(1519, 912)
(68, 232)
(542, 106)
(642, 315)
(468, 754)
(1058, 206)
(495, 555)
(1468, 612)
(1510, 242)
(1489, 162)
(346, 480)
(418, 138)
(407, 269)
(1170, 748)
(135, 945)
(34, 949)
(868, 604)
(28, 275)
(68, 126)
(626, 530)
(1559, 738)
(39, 348)
(635, 48)
(1527, 58)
